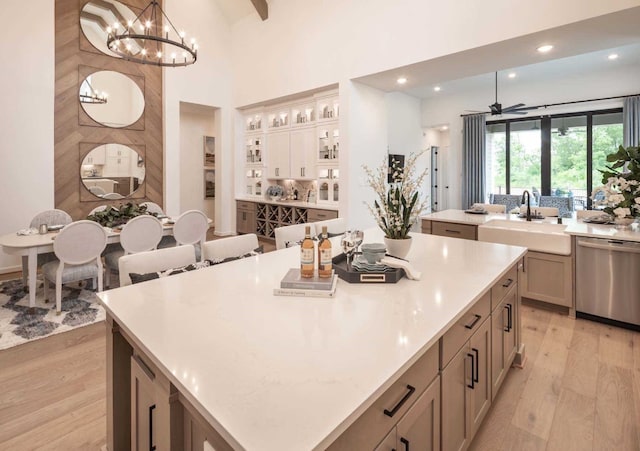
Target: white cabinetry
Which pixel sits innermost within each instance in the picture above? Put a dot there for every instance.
(303, 162)
(328, 150)
(328, 185)
(96, 156)
(278, 150)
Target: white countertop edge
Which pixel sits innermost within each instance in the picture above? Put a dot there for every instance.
(290, 203)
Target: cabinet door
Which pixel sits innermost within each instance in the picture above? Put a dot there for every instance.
(510, 343)
(245, 221)
(143, 407)
(479, 393)
(389, 442)
(278, 155)
(456, 378)
(548, 278)
(303, 164)
(419, 429)
(503, 338)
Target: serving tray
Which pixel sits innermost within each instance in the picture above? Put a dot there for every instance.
(351, 276)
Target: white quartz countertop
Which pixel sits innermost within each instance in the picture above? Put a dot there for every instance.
(291, 203)
(574, 226)
(279, 373)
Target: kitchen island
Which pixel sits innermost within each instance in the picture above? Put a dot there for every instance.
(228, 362)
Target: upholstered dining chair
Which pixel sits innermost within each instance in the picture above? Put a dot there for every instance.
(335, 226)
(232, 246)
(113, 196)
(153, 261)
(510, 201)
(563, 204)
(78, 247)
(290, 235)
(139, 234)
(97, 190)
(191, 228)
(491, 208)
(50, 218)
(152, 207)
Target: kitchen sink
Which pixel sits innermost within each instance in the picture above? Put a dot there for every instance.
(536, 236)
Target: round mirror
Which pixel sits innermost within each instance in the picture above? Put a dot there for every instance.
(112, 171)
(111, 99)
(97, 16)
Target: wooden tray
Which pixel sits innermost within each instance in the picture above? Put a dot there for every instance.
(351, 276)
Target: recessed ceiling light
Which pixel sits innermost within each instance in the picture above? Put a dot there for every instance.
(401, 80)
(444, 127)
(437, 88)
(613, 56)
(545, 48)
(512, 75)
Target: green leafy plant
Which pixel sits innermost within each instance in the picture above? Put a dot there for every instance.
(620, 192)
(113, 217)
(399, 203)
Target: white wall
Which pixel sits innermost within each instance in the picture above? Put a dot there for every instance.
(208, 82)
(194, 125)
(26, 115)
(308, 44)
(447, 109)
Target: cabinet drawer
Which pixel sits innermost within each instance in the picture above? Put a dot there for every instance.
(450, 229)
(314, 215)
(426, 226)
(373, 425)
(459, 333)
(503, 286)
(247, 206)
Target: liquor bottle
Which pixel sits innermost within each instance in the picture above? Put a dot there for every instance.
(306, 254)
(324, 255)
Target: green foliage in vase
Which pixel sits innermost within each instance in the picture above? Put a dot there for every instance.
(113, 217)
(399, 203)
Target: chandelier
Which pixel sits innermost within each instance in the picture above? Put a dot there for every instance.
(90, 95)
(146, 40)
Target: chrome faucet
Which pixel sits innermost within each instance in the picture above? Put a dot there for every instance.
(528, 203)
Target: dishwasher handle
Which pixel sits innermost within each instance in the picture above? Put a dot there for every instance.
(615, 246)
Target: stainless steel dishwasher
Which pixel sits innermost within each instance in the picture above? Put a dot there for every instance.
(608, 279)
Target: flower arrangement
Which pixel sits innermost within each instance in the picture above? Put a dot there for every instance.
(113, 217)
(399, 202)
(621, 184)
(275, 191)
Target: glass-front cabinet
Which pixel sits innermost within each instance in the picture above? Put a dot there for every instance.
(304, 114)
(328, 108)
(253, 122)
(278, 118)
(328, 142)
(328, 185)
(253, 182)
(254, 146)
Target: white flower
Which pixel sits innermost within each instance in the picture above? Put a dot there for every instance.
(622, 212)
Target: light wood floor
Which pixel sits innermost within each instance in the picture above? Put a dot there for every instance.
(579, 390)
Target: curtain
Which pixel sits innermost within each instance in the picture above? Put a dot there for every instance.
(631, 121)
(473, 159)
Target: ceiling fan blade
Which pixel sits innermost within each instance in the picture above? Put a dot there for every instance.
(513, 107)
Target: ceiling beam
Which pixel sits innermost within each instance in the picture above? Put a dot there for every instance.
(262, 7)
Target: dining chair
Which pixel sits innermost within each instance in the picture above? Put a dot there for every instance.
(78, 247)
(139, 234)
(50, 218)
(153, 261)
(232, 246)
(152, 207)
(510, 201)
(491, 208)
(191, 228)
(97, 190)
(291, 235)
(563, 204)
(112, 196)
(335, 226)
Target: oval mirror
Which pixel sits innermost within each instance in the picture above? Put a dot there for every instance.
(97, 16)
(112, 171)
(111, 98)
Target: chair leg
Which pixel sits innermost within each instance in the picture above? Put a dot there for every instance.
(58, 295)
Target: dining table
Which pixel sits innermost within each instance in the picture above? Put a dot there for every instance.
(32, 245)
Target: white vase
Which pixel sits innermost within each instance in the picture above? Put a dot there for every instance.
(398, 248)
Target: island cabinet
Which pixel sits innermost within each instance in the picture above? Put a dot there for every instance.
(466, 377)
(504, 318)
(408, 411)
(450, 229)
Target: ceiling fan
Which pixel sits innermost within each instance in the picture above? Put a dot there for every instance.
(519, 108)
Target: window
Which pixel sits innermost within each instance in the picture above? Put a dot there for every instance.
(555, 155)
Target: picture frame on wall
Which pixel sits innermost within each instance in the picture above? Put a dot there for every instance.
(209, 151)
(209, 183)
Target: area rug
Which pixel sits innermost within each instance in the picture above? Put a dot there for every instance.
(20, 324)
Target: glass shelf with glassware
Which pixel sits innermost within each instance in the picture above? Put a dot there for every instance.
(328, 108)
(328, 143)
(253, 122)
(253, 182)
(303, 115)
(328, 185)
(278, 118)
(254, 149)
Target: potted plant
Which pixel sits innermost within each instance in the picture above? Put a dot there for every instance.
(620, 192)
(113, 217)
(399, 202)
(275, 192)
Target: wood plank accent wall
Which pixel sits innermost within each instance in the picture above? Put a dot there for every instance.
(73, 53)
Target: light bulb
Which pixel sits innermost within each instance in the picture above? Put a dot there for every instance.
(173, 56)
(182, 34)
(148, 24)
(128, 47)
(143, 51)
(109, 30)
(184, 54)
(195, 47)
(116, 26)
(159, 54)
(117, 42)
(129, 23)
(141, 27)
(193, 40)
(166, 28)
